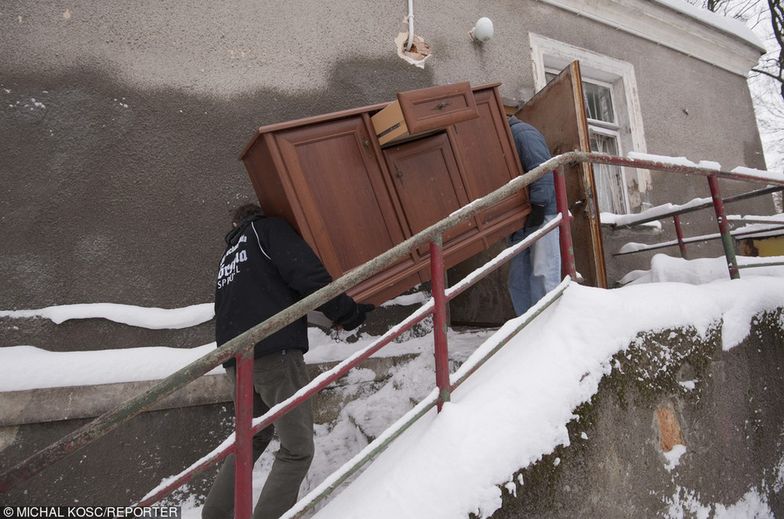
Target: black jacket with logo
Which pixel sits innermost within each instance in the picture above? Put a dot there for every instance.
(267, 267)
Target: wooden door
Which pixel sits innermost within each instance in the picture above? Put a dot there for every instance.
(558, 111)
(348, 216)
(428, 185)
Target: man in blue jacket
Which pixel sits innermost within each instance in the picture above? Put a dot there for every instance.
(266, 268)
(536, 270)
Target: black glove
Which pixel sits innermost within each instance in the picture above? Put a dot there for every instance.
(535, 218)
(358, 317)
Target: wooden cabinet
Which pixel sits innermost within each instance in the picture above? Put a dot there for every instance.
(351, 199)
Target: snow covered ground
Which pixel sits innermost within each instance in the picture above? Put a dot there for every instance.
(30, 367)
(515, 408)
(507, 415)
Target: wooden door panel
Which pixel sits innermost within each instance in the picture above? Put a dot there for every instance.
(487, 158)
(428, 184)
(558, 111)
(336, 177)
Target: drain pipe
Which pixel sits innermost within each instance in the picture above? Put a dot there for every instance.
(410, 25)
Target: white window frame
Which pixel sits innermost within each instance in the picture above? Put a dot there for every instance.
(549, 55)
(607, 132)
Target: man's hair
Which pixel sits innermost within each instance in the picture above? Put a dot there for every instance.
(246, 211)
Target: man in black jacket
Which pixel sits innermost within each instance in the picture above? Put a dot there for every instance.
(266, 268)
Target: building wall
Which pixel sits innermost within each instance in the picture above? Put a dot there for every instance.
(122, 122)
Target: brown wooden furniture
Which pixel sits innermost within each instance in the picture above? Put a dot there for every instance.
(351, 199)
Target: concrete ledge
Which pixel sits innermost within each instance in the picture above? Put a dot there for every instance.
(78, 402)
(75, 402)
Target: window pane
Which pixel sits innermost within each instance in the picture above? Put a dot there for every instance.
(598, 102)
(609, 179)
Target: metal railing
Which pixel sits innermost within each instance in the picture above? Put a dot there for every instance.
(724, 231)
(241, 347)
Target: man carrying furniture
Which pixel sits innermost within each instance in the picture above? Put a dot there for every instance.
(266, 268)
(536, 270)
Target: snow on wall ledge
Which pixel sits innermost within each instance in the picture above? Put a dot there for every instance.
(152, 318)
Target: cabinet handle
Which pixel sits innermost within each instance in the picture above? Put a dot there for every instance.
(442, 105)
(366, 144)
(398, 173)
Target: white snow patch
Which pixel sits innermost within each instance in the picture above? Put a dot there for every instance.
(709, 164)
(760, 174)
(583, 436)
(751, 506)
(686, 503)
(632, 246)
(776, 218)
(613, 219)
(152, 318)
(708, 272)
(407, 299)
(333, 348)
(778, 485)
(673, 456)
(688, 385)
(683, 161)
(659, 210)
(664, 159)
(28, 367)
(699, 271)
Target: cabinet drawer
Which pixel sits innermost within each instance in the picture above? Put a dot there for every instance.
(437, 107)
(418, 111)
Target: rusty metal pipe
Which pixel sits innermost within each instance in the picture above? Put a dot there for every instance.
(679, 233)
(565, 235)
(724, 227)
(441, 350)
(243, 448)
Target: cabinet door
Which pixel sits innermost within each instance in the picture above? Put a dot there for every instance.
(428, 184)
(337, 182)
(487, 157)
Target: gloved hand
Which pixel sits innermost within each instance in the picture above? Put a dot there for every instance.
(535, 218)
(358, 317)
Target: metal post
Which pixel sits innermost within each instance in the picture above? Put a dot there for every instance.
(679, 233)
(724, 227)
(439, 320)
(565, 228)
(243, 447)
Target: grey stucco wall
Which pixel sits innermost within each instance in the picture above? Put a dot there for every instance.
(730, 424)
(121, 122)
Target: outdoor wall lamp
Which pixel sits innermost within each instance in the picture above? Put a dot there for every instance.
(482, 30)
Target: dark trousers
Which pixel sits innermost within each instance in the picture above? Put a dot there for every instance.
(275, 378)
